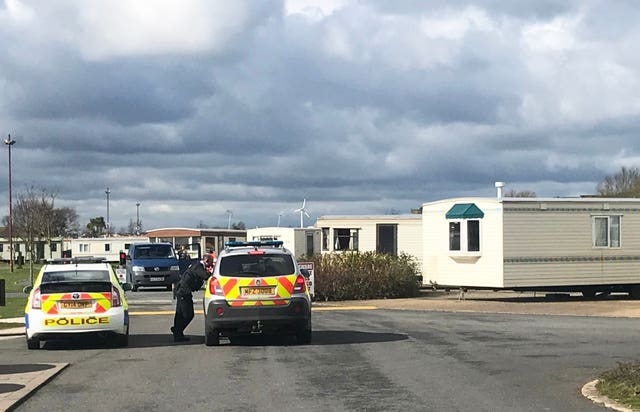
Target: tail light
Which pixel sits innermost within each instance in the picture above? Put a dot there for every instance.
(214, 286)
(36, 301)
(115, 297)
(301, 285)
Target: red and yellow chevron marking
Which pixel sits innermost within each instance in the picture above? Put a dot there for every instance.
(101, 301)
(231, 287)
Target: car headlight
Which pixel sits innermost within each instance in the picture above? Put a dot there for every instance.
(174, 267)
(138, 268)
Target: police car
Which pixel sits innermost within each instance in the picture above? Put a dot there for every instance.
(73, 296)
(256, 287)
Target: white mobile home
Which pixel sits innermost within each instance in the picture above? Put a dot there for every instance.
(586, 245)
(301, 241)
(393, 234)
(106, 247)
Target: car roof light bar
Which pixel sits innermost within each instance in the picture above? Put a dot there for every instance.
(255, 243)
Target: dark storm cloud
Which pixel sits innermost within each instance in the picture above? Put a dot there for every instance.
(358, 106)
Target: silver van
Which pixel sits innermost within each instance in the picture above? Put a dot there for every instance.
(152, 265)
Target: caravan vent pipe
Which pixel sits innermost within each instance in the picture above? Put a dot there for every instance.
(499, 186)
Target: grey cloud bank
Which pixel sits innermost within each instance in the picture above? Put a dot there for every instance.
(196, 107)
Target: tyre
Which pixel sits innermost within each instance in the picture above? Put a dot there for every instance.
(303, 335)
(33, 343)
(122, 341)
(134, 288)
(212, 337)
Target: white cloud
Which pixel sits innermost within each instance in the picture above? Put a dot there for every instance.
(119, 28)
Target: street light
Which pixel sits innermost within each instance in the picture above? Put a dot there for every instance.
(9, 142)
(230, 213)
(107, 192)
(137, 218)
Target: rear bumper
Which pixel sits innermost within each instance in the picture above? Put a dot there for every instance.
(250, 319)
(42, 326)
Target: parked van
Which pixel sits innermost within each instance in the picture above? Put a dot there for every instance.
(152, 265)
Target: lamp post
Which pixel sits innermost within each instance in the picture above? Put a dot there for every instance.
(230, 213)
(9, 142)
(137, 218)
(108, 224)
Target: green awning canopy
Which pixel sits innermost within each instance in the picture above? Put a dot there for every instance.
(465, 211)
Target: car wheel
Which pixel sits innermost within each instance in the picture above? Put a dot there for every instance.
(122, 341)
(134, 287)
(33, 343)
(303, 335)
(212, 338)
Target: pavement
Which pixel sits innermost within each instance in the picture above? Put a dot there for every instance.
(19, 381)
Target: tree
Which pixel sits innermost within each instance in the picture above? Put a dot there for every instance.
(65, 222)
(96, 227)
(625, 183)
(131, 229)
(524, 193)
(238, 225)
(35, 221)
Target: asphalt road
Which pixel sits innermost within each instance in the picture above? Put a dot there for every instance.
(359, 360)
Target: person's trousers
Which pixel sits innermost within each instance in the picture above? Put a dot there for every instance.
(184, 314)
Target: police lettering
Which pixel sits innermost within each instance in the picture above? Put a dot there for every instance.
(91, 320)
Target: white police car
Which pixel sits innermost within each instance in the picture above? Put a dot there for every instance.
(256, 287)
(73, 296)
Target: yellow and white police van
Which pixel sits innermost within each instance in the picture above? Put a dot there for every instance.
(73, 296)
(256, 287)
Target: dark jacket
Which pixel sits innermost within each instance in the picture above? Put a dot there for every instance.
(192, 279)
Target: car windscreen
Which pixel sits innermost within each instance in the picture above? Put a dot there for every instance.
(154, 252)
(256, 265)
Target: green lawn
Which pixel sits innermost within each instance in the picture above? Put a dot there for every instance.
(14, 308)
(15, 281)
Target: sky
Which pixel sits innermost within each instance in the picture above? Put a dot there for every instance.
(208, 112)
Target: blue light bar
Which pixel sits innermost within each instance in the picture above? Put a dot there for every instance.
(255, 243)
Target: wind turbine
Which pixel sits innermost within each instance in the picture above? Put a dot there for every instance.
(279, 216)
(303, 212)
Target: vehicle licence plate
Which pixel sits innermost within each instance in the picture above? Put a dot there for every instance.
(157, 279)
(257, 290)
(75, 304)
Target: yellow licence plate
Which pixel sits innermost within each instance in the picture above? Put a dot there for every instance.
(257, 290)
(75, 304)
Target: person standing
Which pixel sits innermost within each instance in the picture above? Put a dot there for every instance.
(190, 281)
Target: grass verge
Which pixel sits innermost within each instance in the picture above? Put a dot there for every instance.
(622, 384)
(20, 277)
(14, 308)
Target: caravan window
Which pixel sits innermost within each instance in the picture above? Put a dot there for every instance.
(464, 235)
(606, 231)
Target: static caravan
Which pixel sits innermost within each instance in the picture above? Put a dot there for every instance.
(43, 249)
(393, 234)
(301, 241)
(196, 239)
(588, 245)
(107, 247)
